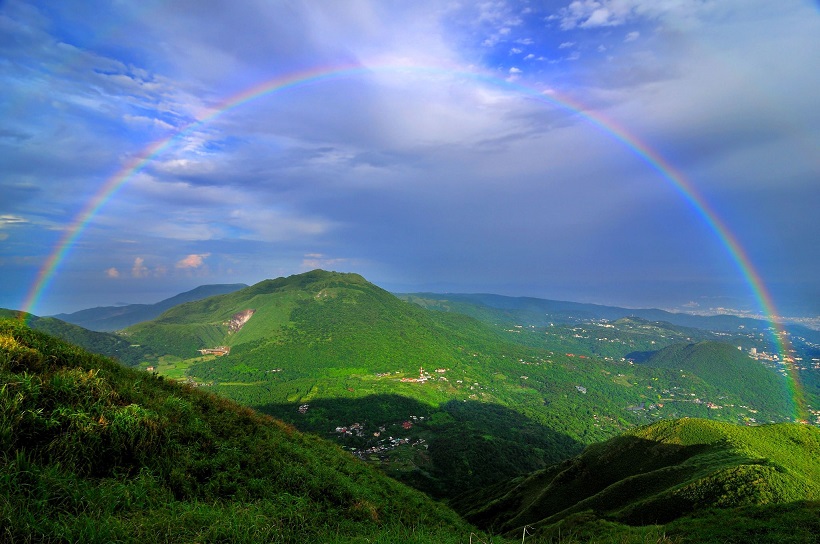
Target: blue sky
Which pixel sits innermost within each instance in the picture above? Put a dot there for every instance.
(444, 163)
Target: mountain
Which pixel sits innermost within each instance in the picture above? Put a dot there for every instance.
(112, 318)
(92, 451)
(667, 471)
(436, 399)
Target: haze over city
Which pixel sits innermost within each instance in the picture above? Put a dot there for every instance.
(652, 153)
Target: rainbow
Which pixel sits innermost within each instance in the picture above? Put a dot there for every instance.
(319, 75)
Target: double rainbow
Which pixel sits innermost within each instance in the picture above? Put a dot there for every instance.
(317, 76)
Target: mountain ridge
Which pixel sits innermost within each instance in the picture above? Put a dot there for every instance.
(112, 318)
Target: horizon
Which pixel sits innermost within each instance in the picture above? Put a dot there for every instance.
(812, 322)
(639, 154)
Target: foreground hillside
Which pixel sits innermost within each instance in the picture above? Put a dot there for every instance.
(91, 451)
(663, 472)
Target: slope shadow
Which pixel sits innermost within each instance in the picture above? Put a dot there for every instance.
(627, 479)
(640, 357)
(450, 449)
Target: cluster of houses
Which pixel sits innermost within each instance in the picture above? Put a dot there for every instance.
(386, 445)
(424, 376)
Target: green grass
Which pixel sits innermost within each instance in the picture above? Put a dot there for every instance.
(91, 451)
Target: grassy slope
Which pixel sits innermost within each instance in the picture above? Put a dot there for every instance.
(92, 451)
(657, 474)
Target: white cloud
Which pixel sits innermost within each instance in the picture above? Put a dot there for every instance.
(680, 14)
(193, 261)
(565, 45)
(139, 270)
(632, 36)
(8, 219)
(112, 273)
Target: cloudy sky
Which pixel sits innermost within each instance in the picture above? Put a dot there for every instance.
(460, 146)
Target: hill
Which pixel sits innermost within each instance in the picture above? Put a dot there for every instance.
(671, 470)
(352, 353)
(113, 318)
(728, 369)
(91, 451)
(613, 333)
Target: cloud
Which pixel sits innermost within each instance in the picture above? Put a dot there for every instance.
(8, 219)
(112, 273)
(139, 270)
(193, 261)
(632, 36)
(596, 13)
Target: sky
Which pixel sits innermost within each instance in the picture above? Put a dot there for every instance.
(585, 150)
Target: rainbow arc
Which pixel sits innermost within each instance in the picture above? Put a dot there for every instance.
(297, 80)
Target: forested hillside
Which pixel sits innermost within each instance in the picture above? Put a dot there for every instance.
(728, 369)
